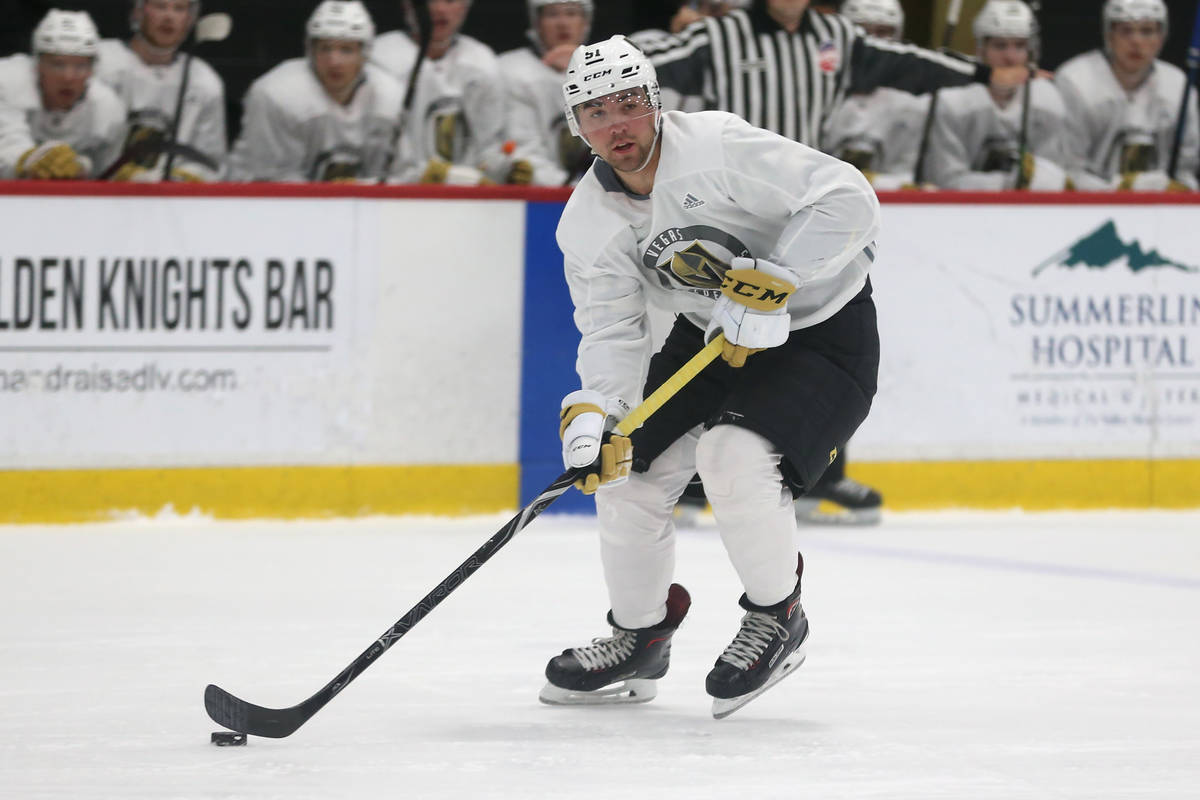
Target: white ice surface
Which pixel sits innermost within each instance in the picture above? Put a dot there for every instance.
(965, 656)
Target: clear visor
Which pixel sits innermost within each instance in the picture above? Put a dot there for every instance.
(617, 108)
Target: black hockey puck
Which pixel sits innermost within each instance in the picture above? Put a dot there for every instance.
(228, 738)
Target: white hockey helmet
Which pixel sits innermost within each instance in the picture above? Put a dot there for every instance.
(1008, 18)
(67, 33)
(1132, 11)
(536, 6)
(614, 65)
(341, 19)
(876, 12)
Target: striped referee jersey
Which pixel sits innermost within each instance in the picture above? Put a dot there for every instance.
(790, 83)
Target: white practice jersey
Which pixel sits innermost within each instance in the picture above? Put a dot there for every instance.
(536, 122)
(974, 144)
(293, 131)
(458, 111)
(1111, 131)
(94, 127)
(880, 133)
(723, 189)
(151, 94)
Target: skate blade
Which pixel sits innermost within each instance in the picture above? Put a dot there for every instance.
(638, 690)
(723, 707)
(823, 512)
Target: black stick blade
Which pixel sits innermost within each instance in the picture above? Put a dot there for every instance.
(243, 717)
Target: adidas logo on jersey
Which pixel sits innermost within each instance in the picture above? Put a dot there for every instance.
(691, 201)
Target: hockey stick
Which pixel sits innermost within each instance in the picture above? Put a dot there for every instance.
(276, 723)
(952, 14)
(209, 28)
(424, 37)
(1034, 48)
(1193, 64)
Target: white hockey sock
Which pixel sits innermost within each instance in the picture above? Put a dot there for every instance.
(637, 535)
(753, 509)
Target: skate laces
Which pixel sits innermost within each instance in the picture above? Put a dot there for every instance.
(604, 653)
(756, 633)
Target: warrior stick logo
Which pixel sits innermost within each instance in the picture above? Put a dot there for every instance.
(1103, 248)
(695, 257)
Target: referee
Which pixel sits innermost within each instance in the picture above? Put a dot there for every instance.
(784, 66)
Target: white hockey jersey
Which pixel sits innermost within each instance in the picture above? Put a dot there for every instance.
(880, 133)
(94, 127)
(1111, 131)
(293, 131)
(458, 111)
(974, 144)
(723, 188)
(151, 93)
(536, 122)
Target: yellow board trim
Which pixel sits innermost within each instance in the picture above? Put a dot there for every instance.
(1034, 485)
(58, 496)
(54, 496)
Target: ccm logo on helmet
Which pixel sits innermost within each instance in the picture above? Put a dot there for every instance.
(599, 74)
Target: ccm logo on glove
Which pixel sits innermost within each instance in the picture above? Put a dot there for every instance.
(588, 441)
(752, 309)
(755, 289)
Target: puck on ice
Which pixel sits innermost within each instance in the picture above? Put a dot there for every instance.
(228, 738)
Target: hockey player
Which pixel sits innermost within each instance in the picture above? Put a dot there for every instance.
(455, 132)
(879, 131)
(55, 122)
(786, 67)
(738, 231)
(146, 73)
(534, 76)
(1123, 105)
(976, 140)
(328, 117)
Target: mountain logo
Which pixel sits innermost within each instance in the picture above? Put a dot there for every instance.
(1103, 248)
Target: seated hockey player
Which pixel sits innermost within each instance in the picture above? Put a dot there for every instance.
(879, 131)
(982, 139)
(741, 232)
(456, 128)
(55, 121)
(533, 75)
(146, 73)
(330, 116)
(1123, 105)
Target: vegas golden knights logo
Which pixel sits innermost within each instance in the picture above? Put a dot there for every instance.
(696, 266)
(147, 137)
(858, 157)
(571, 149)
(450, 131)
(695, 257)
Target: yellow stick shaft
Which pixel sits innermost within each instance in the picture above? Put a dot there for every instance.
(673, 384)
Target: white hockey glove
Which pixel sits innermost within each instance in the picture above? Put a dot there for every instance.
(1041, 175)
(588, 442)
(443, 172)
(752, 309)
(502, 167)
(53, 160)
(1156, 181)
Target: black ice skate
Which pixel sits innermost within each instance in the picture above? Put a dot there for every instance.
(841, 502)
(767, 648)
(621, 669)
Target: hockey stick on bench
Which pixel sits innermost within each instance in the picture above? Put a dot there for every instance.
(276, 723)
